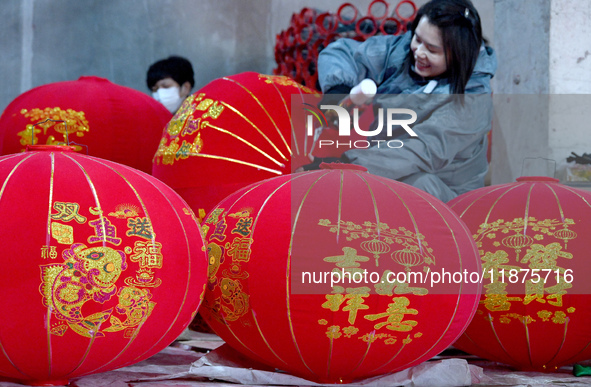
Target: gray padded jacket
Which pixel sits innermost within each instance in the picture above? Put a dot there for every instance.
(448, 156)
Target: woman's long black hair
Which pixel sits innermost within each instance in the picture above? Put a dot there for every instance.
(461, 32)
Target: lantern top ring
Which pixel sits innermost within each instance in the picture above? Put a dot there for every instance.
(50, 148)
(537, 178)
(343, 166)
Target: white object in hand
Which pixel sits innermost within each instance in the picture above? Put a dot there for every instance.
(363, 92)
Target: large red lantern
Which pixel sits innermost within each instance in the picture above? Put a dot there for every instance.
(535, 312)
(276, 247)
(109, 121)
(103, 265)
(234, 131)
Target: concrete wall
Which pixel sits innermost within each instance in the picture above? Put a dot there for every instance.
(55, 40)
(521, 86)
(570, 80)
(542, 87)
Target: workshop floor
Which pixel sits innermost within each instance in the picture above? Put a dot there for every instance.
(199, 359)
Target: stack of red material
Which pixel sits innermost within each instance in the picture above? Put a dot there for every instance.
(297, 47)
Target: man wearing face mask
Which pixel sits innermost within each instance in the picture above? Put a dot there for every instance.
(171, 81)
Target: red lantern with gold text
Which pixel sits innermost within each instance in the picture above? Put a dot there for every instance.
(277, 247)
(102, 265)
(234, 131)
(535, 312)
(110, 121)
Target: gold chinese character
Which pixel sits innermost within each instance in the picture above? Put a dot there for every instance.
(395, 315)
(67, 212)
(148, 254)
(104, 232)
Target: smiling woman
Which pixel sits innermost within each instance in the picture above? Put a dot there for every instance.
(441, 69)
(427, 48)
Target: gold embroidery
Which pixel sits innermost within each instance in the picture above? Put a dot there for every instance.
(148, 254)
(149, 257)
(565, 234)
(496, 297)
(390, 341)
(518, 240)
(104, 232)
(545, 315)
(185, 123)
(542, 277)
(214, 253)
(285, 81)
(239, 249)
(135, 304)
(219, 230)
(214, 109)
(380, 236)
(395, 315)
(197, 144)
(59, 330)
(90, 274)
(67, 212)
(375, 247)
(387, 286)
(349, 261)
(372, 337)
(183, 116)
(95, 211)
(166, 152)
(236, 302)
(406, 341)
(62, 233)
(214, 216)
(506, 318)
(407, 258)
(559, 317)
(333, 332)
(64, 286)
(141, 227)
(75, 121)
(354, 302)
(48, 252)
(204, 105)
(350, 331)
(123, 211)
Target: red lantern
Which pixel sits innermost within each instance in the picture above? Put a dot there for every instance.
(274, 246)
(102, 265)
(234, 131)
(109, 121)
(535, 312)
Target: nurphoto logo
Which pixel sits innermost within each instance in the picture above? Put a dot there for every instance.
(395, 117)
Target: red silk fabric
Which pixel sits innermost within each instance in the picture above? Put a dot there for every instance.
(533, 240)
(103, 119)
(103, 265)
(262, 240)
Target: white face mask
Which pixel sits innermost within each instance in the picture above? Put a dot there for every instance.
(169, 97)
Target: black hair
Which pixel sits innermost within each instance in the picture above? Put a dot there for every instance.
(175, 67)
(461, 32)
